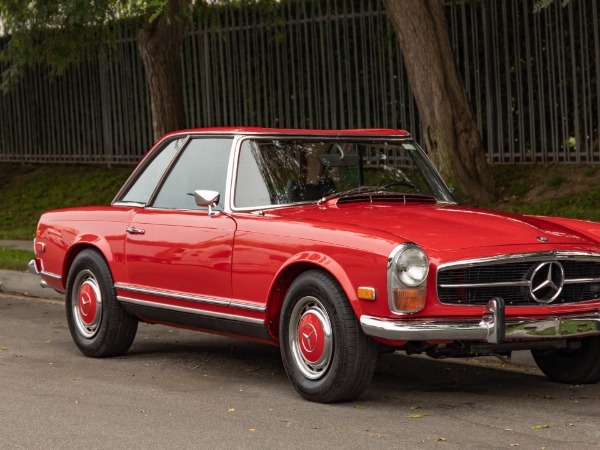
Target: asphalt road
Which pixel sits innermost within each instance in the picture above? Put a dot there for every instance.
(183, 389)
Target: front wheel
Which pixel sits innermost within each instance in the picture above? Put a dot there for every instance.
(325, 353)
(98, 324)
(574, 366)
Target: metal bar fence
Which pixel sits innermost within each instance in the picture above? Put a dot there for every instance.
(533, 80)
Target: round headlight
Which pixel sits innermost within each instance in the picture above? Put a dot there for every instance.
(412, 266)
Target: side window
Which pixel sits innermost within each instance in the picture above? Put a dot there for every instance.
(251, 188)
(202, 165)
(145, 184)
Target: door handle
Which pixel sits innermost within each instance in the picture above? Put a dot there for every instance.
(133, 230)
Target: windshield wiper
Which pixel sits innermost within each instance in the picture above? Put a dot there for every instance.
(368, 189)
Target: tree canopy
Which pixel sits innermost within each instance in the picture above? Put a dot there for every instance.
(61, 33)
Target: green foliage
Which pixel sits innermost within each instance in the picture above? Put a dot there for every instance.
(583, 205)
(556, 180)
(28, 190)
(541, 4)
(62, 33)
(11, 259)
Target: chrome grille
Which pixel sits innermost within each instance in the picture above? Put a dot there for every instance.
(475, 282)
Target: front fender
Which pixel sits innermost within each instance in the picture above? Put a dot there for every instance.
(293, 267)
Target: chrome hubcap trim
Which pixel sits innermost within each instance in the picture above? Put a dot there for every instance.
(86, 280)
(310, 306)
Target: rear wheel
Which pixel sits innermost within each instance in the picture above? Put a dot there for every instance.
(325, 353)
(573, 366)
(98, 324)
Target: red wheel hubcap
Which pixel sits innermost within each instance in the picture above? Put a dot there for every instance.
(86, 303)
(311, 337)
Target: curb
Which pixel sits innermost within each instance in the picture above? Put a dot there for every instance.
(25, 283)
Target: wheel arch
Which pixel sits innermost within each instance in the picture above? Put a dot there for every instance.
(292, 270)
(80, 244)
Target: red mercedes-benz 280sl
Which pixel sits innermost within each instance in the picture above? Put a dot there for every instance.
(332, 245)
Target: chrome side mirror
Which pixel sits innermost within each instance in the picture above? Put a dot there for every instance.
(207, 198)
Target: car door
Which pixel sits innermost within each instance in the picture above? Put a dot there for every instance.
(176, 253)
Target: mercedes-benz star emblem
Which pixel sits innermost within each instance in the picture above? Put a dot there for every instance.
(309, 333)
(547, 281)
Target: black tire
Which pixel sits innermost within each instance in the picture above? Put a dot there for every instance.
(339, 364)
(572, 366)
(98, 324)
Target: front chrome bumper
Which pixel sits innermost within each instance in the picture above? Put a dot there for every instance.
(492, 327)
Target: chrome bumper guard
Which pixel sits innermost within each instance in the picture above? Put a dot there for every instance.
(32, 267)
(492, 327)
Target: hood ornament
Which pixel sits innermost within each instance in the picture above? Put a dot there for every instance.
(542, 239)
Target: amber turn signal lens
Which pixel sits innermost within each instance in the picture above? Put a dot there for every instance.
(409, 300)
(366, 293)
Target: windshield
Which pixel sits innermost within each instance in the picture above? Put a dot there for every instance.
(286, 171)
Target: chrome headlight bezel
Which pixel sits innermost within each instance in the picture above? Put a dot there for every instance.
(407, 271)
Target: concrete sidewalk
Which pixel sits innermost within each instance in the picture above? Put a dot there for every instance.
(17, 245)
(23, 282)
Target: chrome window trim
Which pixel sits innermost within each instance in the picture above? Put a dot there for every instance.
(190, 310)
(171, 165)
(158, 147)
(131, 204)
(549, 255)
(239, 304)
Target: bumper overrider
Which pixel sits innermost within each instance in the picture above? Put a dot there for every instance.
(492, 327)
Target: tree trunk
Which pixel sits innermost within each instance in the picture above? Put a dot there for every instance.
(160, 43)
(450, 130)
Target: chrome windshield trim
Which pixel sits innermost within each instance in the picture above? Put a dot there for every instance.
(184, 309)
(239, 304)
(50, 275)
(230, 207)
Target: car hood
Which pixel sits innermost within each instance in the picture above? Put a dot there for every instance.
(443, 227)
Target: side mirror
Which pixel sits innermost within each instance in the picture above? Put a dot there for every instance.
(207, 198)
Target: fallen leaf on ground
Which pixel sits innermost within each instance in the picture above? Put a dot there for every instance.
(537, 427)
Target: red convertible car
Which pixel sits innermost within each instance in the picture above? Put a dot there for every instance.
(333, 245)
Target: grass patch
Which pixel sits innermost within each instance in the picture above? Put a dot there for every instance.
(584, 206)
(12, 259)
(556, 180)
(27, 190)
